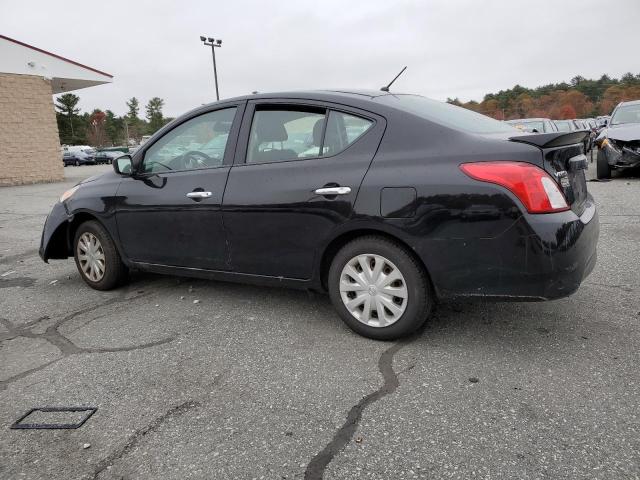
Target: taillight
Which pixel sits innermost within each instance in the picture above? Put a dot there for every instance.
(535, 188)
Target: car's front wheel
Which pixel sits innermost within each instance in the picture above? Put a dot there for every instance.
(97, 258)
(379, 289)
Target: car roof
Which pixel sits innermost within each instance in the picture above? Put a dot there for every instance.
(536, 119)
(631, 102)
(337, 95)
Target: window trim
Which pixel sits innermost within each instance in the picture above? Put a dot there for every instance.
(230, 148)
(242, 150)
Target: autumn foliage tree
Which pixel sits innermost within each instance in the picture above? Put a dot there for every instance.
(579, 98)
(97, 134)
(567, 112)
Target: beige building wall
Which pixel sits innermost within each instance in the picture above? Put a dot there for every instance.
(29, 142)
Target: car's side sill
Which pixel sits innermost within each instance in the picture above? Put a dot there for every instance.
(224, 276)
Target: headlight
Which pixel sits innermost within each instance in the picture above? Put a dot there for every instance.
(66, 195)
(612, 145)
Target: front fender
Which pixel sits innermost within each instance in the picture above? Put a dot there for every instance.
(54, 242)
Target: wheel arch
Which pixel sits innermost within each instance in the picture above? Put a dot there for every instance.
(72, 226)
(342, 239)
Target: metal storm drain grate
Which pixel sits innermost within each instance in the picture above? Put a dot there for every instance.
(54, 418)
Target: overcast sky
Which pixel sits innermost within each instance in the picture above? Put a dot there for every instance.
(452, 48)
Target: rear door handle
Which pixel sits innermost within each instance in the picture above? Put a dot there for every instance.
(333, 191)
(199, 195)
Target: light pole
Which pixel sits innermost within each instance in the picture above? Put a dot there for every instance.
(213, 43)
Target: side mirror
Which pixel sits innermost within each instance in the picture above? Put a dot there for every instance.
(123, 165)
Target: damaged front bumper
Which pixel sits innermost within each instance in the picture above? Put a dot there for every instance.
(621, 155)
(54, 242)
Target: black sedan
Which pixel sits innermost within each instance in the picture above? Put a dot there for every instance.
(108, 156)
(388, 202)
(78, 158)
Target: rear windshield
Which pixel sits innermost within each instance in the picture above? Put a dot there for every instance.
(447, 114)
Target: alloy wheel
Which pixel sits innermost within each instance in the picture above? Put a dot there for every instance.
(91, 256)
(373, 290)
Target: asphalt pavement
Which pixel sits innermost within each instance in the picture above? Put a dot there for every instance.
(202, 379)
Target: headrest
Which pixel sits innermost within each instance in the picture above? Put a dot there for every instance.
(317, 132)
(271, 131)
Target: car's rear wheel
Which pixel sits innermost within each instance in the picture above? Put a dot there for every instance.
(603, 170)
(379, 289)
(97, 258)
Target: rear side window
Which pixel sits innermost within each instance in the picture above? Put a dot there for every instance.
(342, 130)
(446, 114)
(292, 133)
(285, 134)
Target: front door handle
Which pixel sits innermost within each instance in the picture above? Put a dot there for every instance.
(198, 195)
(333, 191)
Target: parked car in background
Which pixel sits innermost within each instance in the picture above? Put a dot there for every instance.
(77, 158)
(565, 125)
(107, 156)
(534, 125)
(602, 121)
(79, 148)
(582, 124)
(420, 201)
(619, 141)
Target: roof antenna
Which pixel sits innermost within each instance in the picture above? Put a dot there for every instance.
(386, 89)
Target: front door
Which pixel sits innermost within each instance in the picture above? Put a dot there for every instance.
(296, 176)
(169, 213)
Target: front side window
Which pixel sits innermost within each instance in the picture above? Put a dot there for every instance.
(197, 143)
(282, 134)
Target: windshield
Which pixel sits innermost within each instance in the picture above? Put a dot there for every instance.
(447, 114)
(626, 114)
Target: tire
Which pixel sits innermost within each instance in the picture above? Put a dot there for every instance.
(410, 313)
(603, 170)
(114, 272)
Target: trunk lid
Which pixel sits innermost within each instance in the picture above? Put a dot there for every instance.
(565, 160)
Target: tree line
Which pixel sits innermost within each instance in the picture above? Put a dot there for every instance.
(102, 128)
(580, 98)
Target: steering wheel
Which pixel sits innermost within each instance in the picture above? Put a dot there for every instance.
(195, 159)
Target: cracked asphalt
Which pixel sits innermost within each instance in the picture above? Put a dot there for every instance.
(266, 383)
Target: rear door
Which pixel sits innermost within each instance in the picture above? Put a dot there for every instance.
(295, 178)
(170, 212)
